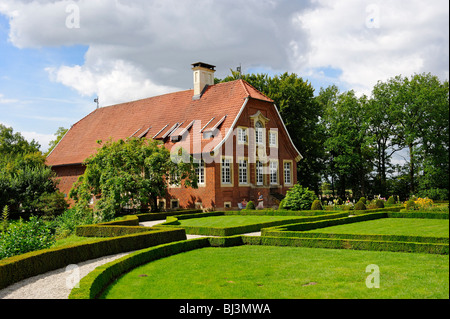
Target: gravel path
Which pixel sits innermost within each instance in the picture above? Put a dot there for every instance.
(54, 284)
(57, 284)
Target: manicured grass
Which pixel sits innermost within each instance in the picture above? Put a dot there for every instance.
(393, 226)
(262, 272)
(232, 221)
(73, 240)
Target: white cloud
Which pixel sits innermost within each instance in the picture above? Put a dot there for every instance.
(4, 100)
(404, 37)
(139, 48)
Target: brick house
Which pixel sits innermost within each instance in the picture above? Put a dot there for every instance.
(231, 129)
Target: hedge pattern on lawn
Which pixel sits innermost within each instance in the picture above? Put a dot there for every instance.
(173, 221)
(92, 285)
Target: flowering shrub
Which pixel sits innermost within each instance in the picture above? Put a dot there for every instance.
(424, 203)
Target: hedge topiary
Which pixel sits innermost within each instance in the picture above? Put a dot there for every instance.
(316, 205)
(391, 200)
(410, 205)
(250, 205)
(363, 200)
(360, 206)
(379, 203)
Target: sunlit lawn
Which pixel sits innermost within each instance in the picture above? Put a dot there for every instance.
(393, 226)
(261, 272)
(233, 220)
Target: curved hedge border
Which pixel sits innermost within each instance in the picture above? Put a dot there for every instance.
(92, 285)
(422, 244)
(173, 221)
(124, 238)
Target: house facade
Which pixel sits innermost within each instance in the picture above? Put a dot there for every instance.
(233, 131)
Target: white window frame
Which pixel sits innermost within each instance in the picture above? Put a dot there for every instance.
(259, 168)
(200, 171)
(243, 171)
(273, 171)
(242, 136)
(287, 172)
(226, 171)
(259, 136)
(273, 138)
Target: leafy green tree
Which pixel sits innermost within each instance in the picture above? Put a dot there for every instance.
(131, 173)
(419, 106)
(24, 177)
(348, 142)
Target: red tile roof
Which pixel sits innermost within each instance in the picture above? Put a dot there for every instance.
(154, 118)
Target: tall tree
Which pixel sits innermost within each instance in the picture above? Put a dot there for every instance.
(419, 109)
(130, 173)
(347, 141)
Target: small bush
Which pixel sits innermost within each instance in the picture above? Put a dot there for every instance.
(410, 205)
(250, 205)
(379, 203)
(363, 200)
(23, 237)
(391, 200)
(299, 198)
(360, 206)
(316, 205)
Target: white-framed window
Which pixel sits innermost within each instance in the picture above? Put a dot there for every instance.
(243, 171)
(273, 139)
(226, 170)
(242, 135)
(200, 171)
(259, 128)
(287, 173)
(273, 172)
(259, 173)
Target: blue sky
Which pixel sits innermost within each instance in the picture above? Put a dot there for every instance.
(50, 71)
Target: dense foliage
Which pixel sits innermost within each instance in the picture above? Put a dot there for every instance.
(129, 174)
(298, 198)
(27, 185)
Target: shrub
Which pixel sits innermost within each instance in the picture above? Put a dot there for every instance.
(423, 203)
(5, 215)
(52, 204)
(66, 223)
(299, 198)
(391, 200)
(250, 205)
(23, 237)
(410, 205)
(316, 205)
(379, 203)
(360, 206)
(363, 200)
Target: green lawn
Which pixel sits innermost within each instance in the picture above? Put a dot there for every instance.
(262, 272)
(233, 220)
(393, 226)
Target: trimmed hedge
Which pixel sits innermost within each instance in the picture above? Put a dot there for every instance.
(419, 214)
(92, 285)
(395, 246)
(147, 217)
(230, 231)
(20, 267)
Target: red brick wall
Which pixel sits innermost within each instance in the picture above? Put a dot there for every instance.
(213, 195)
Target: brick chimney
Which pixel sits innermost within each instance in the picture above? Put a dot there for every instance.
(203, 76)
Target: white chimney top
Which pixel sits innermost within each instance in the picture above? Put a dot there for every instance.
(203, 77)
